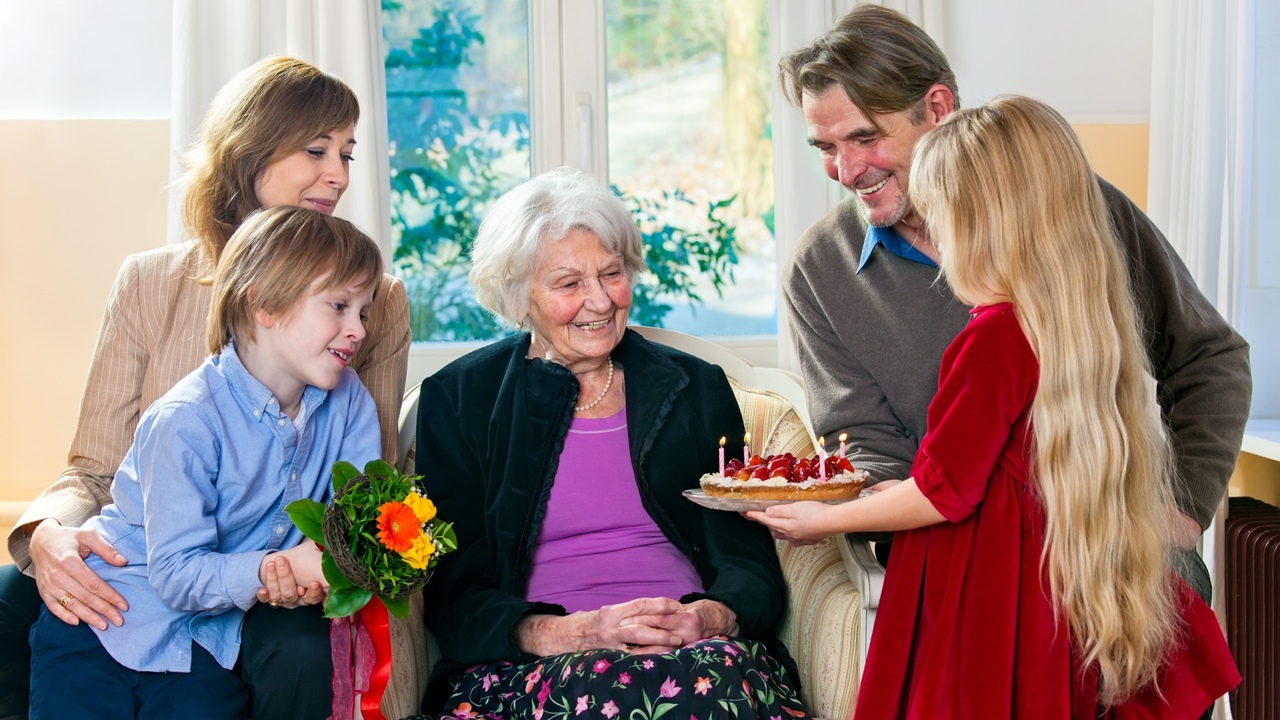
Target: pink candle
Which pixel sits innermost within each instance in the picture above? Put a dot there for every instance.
(822, 458)
(746, 449)
(721, 457)
(843, 437)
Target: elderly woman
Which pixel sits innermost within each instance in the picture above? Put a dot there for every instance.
(583, 580)
(280, 133)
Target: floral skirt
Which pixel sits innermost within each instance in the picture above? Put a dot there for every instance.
(714, 678)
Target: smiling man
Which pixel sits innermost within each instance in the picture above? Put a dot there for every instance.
(870, 317)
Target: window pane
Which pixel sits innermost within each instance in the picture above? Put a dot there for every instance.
(690, 147)
(458, 117)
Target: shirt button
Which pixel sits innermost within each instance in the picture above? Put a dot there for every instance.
(293, 477)
(257, 413)
(280, 421)
(271, 401)
(279, 530)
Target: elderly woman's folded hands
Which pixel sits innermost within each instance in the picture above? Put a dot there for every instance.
(644, 625)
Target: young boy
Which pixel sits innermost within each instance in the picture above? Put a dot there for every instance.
(198, 503)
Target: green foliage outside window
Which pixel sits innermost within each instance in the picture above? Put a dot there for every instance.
(450, 161)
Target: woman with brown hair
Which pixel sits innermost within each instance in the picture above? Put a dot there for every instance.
(280, 133)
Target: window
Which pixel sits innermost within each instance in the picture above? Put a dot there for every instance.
(482, 93)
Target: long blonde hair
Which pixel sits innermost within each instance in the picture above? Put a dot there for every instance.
(1010, 200)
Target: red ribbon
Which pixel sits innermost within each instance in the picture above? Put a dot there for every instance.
(361, 651)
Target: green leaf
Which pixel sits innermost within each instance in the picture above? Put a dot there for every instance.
(343, 472)
(345, 602)
(380, 468)
(337, 581)
(308, 515)
(397, 606)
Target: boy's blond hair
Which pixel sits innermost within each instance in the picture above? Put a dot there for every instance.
(273, 260)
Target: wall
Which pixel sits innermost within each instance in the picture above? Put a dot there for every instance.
(1058, 53)
(84, 90)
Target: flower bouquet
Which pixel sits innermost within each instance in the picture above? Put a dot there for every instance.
(381, 539)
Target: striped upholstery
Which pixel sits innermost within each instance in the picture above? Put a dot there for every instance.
(821, 627)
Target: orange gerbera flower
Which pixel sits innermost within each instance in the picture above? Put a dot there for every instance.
(398, 526)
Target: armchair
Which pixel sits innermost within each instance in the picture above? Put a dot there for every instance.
(834, 586)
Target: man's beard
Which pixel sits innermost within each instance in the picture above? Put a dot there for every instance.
(898, 212)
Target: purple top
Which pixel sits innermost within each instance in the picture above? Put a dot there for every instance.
(597, 545)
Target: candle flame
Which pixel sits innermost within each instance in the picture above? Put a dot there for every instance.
(721, 441)
(822, 440)
(844, 436)
(746, 437)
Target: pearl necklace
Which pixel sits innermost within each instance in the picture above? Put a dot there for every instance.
(608, 383)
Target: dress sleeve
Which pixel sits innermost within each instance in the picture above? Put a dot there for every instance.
(986, 385)
(383, 361)
(108, 415)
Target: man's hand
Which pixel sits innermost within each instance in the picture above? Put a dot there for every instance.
(70, 590)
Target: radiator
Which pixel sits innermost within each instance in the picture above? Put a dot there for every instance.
(1253, 606)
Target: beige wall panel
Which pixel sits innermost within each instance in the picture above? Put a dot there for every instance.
(76, 197)
(1119, 154)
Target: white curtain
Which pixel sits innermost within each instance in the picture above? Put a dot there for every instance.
(1202, 140)
(1201, 166)
(215, 39)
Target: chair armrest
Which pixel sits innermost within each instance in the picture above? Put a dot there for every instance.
(823, 626)
(864, 569)
(867, 574)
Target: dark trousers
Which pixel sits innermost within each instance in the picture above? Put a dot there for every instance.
(73, 676)
(284, 655)
(19, 607)
(286, 661)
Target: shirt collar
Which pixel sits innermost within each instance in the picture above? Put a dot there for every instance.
(252, 393)
(892, 242)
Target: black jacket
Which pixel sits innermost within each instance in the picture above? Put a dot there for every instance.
(491, 426)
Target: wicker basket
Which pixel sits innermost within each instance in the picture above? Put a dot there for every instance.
(337, 540)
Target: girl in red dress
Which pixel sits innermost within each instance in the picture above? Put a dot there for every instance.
(1030, 574)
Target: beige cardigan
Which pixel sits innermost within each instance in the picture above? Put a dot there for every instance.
(153, 334)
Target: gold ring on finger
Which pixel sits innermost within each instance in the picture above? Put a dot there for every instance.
(275, 603)
(65, 600)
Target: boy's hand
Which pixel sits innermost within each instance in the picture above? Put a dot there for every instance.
(292, 578)
(799, 523)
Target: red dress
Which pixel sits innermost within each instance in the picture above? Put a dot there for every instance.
(965, 627)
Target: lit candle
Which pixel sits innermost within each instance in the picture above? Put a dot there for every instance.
(843, 437)
(822, 458)
(746, 449)
(722, 456)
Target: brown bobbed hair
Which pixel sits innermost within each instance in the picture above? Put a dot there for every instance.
(275, 259)
(883, 61)
(268, 110)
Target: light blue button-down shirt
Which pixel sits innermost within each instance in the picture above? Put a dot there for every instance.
(199, 500)
(894, 243)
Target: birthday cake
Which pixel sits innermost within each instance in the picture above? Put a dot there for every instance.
(786, 477)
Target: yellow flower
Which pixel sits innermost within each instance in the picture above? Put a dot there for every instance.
(422, 507)
(419, 554)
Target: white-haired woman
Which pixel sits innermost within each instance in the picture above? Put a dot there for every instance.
(583, 580)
